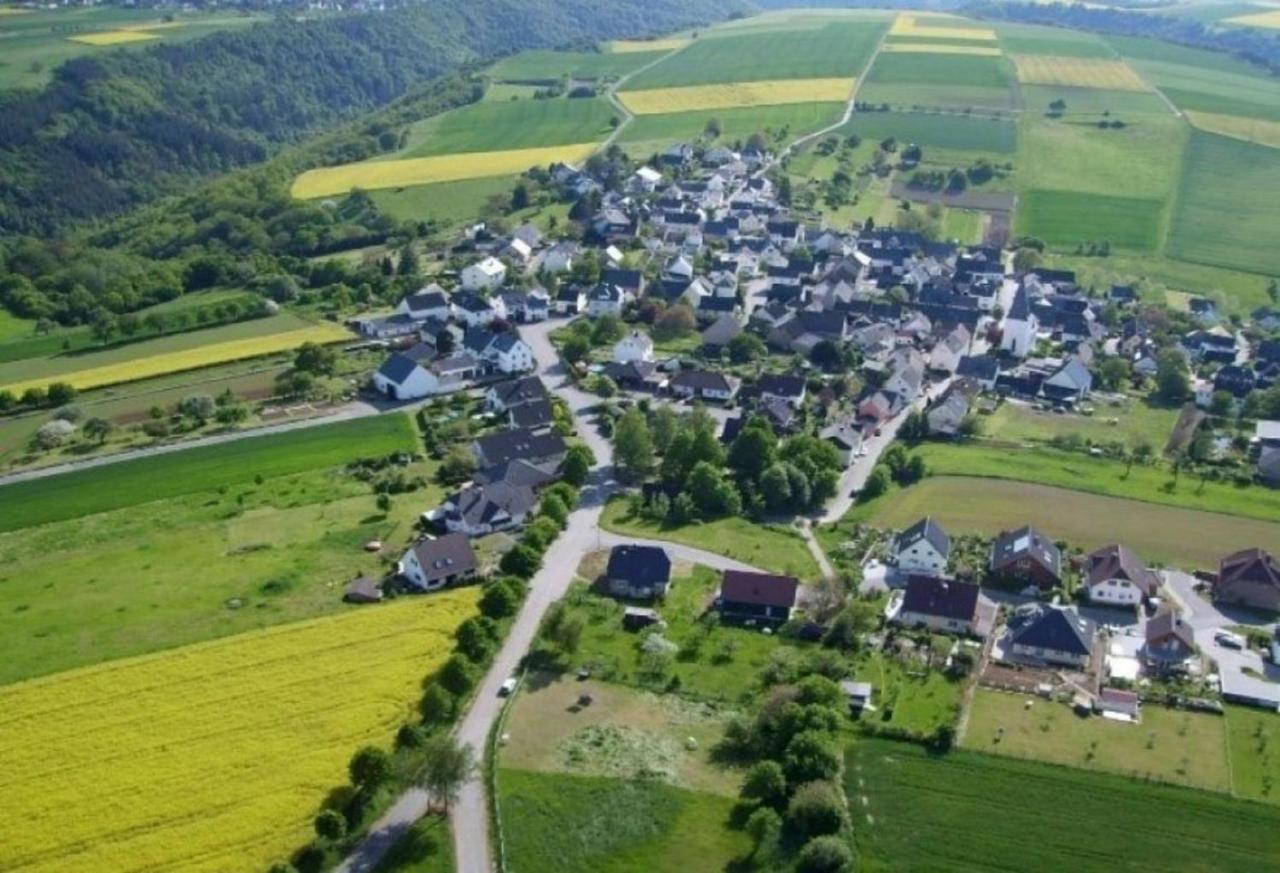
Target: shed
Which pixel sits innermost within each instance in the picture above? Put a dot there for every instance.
(362, 589)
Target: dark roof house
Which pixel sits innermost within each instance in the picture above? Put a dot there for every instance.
(1249, 578)
(1026, 557)
(750, 596)
(638, 571)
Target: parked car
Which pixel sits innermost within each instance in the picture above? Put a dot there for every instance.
(1229, 640)
(508, 687)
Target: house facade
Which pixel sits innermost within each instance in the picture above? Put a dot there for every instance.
(756, 597)
(638, 572)
(434, 564)
(923, 548)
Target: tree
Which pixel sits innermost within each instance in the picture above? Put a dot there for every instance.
(577, 465)
(1172, 382)
(456, 675)
(675, 322)
(663, 424)
(754, 450)
(810, 757)
(409, 265)
(438, 705)
(458, 466)
(1113, 373)
(520, 197)
(877, 483)
(499, 600)
(60, 394)
(330, 825)
(98, 429)
(369, 768)
(766, 783)
(713, 493)
(826, 354)
(764, 827)
(713, 128)
(816, 810)
(554, 508)
(1025, 259)
(606, 329)
(315, 359)
(446, 767)
(633, 446)
(521, 561)
(576, 348)
(745, 348)
(828, 854)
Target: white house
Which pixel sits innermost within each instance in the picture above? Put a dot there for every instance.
(476, 311)
(506, 351)
(434, 564)
(605, 300)
(946, 354)
(1114, 575)
(645, 180)
(559, 258)
(484, 275)
(635, 346)
(426, 303)
(402, 378)
(1020, 327)
(923, 548)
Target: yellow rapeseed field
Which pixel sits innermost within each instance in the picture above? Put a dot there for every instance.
(1237, 127)
(908, 25)
(1270, 19)
(188, 359)
(213, 757)
(627, 46)
(113, 37)
(693, 98)
(370, 175)
(1077, 73)
(942, 48)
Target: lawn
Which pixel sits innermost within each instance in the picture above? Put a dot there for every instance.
(1187, 748)
(426, 848)
(503, 125)
(1221, 217)
(12, 327)
(937, 131)
(215, 756)
(624, 733)
(554, 823)
(1068, 218)
(1253, 742)
(447, 203)
(715, 663)
(1132, 421)
(770, 547)
(917, 80)
(206, 468)
(967, 811)
(1092, 104)
(1240, 92)
(963, 225)
(1235, 292)
(913, 700)
(834, 50)
(549, 66)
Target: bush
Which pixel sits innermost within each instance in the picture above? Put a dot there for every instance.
(816, 810)
(766, 783)
(330, 825)
(825, 855)
(456, 676)
(369, 768)
(522, 562)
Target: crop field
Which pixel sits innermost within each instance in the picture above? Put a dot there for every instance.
(1175, 746)
(937, 131)
(1269, 19)
(1093, 105)
(1065, 218)
(911, 80)
(637, 46)
(737, 95)
(939, 27)
(1253, 130)
(1227, 92)
(89, 376)
(919, 816)
(650, 133)
(214, 756)
(835, 50)
(373, 175)
(941, 48)
(508, 125)
(1219, 218)
(549, 66)
(556, 823)
(1021, 40)
(1074, 72)
(113, 37)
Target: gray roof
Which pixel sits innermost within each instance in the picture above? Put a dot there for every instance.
(942, 598)
(928, 530)
(398, 368)
(483, 504)
(1028, 542)
(510, 445)
(1055, 628)
(445, 556)
(517, 472)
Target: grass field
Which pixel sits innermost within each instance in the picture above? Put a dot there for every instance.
(214, 756)
(1131, 422)
(933, 27)
(1253, 742)
(1164, 534)
(641, 46)
(912, 80)
(1253, 130)
(547, 66)
(772, 548)
(1236, 292)
(651, 133)
(941, 48)
(1185, 748)
(625, 733)
(1075, 72)
(1219, 219)
(698, 98)
(1059, 42)
(833, 50)
(447, 203)
(937, 131)
(327, 181)
(508, 125)
(919, 816)
(1227, 91)
(1065, 218)
(12, 327)
(113, 37)
(205, 468)
(555, 823)
(1093, 105)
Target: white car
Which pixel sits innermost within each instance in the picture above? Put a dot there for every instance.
(508, 687)
(1229, 640)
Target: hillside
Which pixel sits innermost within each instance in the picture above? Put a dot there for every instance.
(117, 130)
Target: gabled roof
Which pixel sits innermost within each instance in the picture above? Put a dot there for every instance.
(1055, 628)
(640, 566)
(1020, 310)
(928, 530)
(517, 391)
(445, 556)
(1168, 624)
(702, 380)
(942, 598)
(1254, 566)
(471, 302)
(517, 472)
(482, 504)
(398, 368)
(1119, 562)
(431, 297)
(781, 385)
(510, 445)
(534, 414)
(1026, 542)
(759, 589)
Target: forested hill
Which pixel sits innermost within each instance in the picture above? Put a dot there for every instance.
(116, 130)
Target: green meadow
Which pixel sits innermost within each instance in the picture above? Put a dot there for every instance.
(650, 133)
(509, 124)
(913, 80)
(546, 66)
(949, 132)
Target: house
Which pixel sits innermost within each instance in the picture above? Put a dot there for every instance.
(433, 564)
(947, 352)
(527, 307)
(503, 447)
(426, 303)
(559, 258)
(484, 509)
(1170, 643)
(983, 369)
(484, 275)
(704, 385)
(1020, 326)
(756, 597)
(605, 300)
(786, 389)
(722, 330)
(644, 180)
(635, 376)
(638, 572)
(402, 378)
(1069, 384)
(505, 351)
(858, 695)
(516, 473)
(846, 436)
(943, 606)
(1249, 578)
(630, 281)
(476, 311)
(535, 415)
(635, 346)
(1052, 634)
(1026, 557)
(947, 415)
(1114, 575)
(504, 395)
(569, 300)
(923, 548)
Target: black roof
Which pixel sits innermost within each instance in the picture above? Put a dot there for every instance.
(1021, 308)
(781, 385)
(641, 566)
(535, 413)
(759, 589)
(702, 380)
(523, 390)
(940, 597)
(398, 367)
(510, 445)
(929, 530)
(1054, 628)
(446, 556)
(1026, 542)
(623, 278)
(981, 367)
